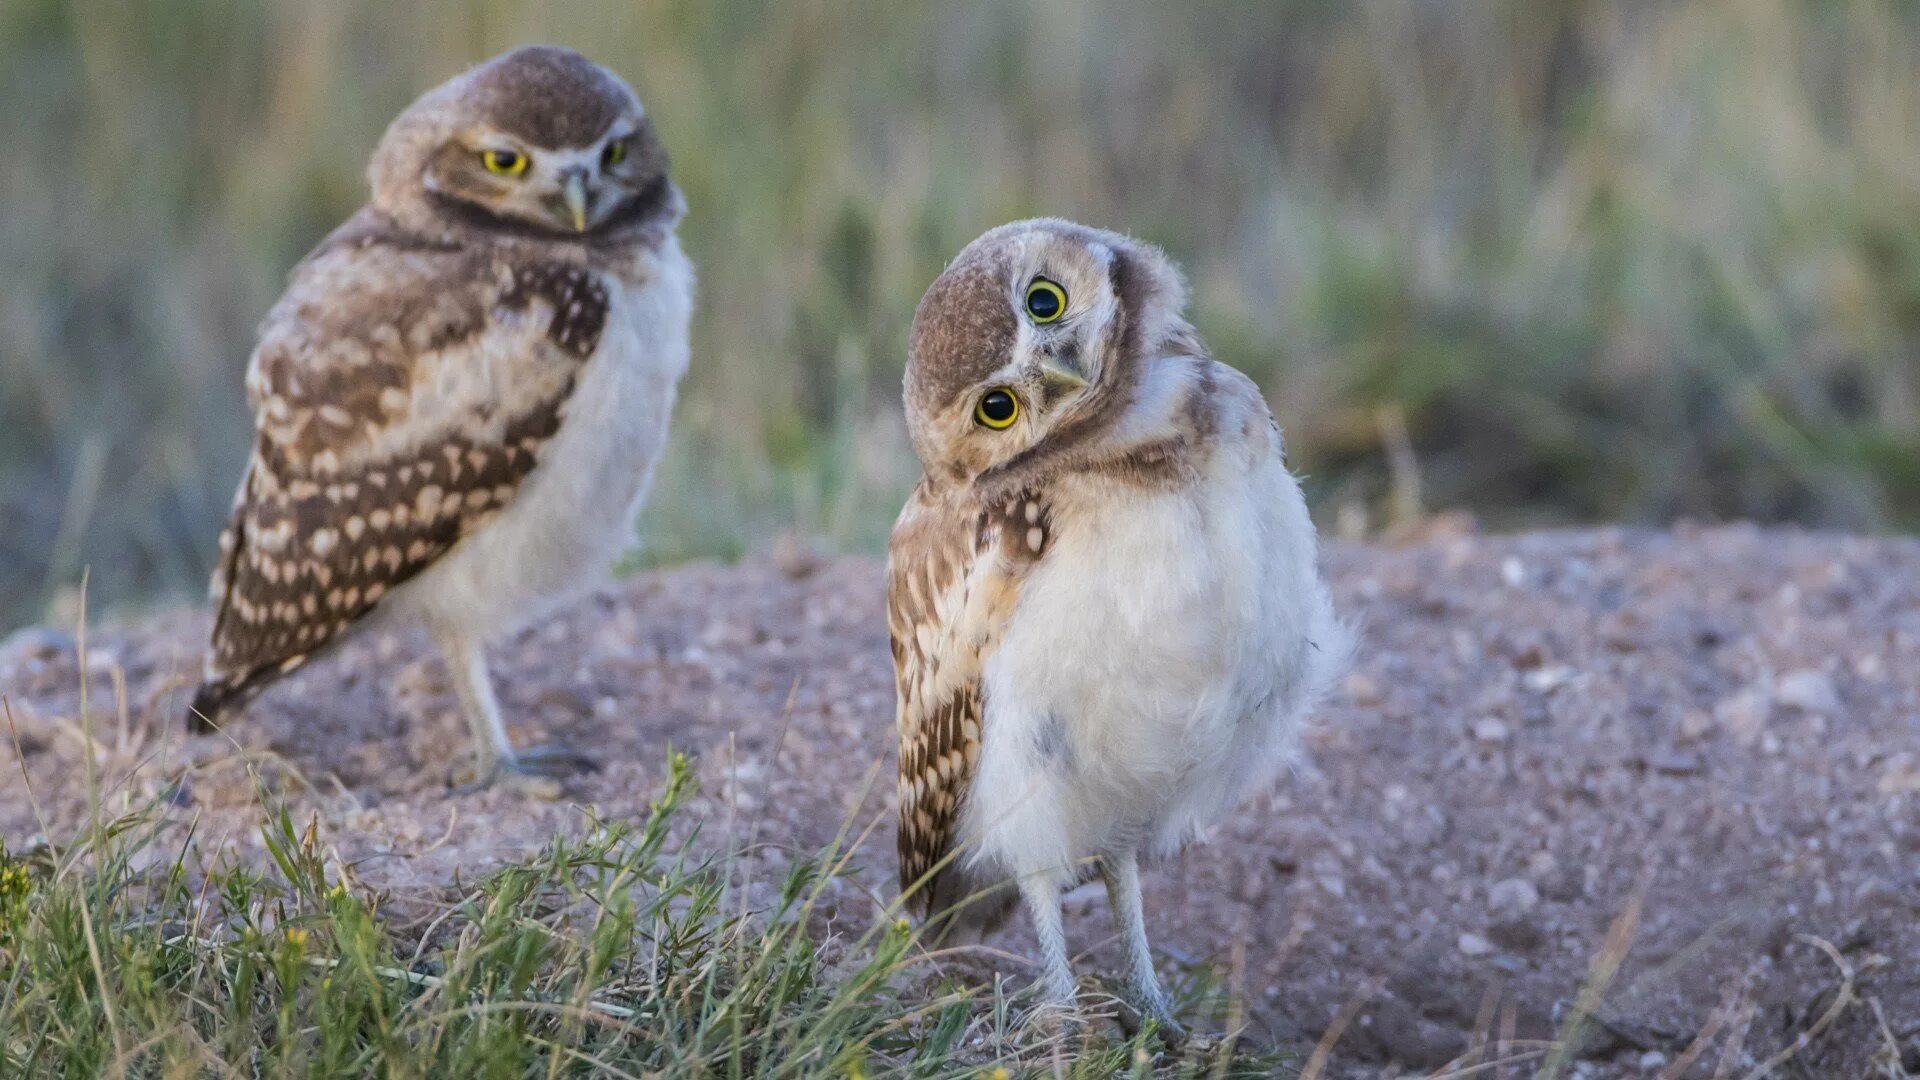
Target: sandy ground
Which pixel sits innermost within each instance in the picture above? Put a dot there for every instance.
(1706, 741)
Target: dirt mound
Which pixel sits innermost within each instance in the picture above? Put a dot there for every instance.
(1706, 743)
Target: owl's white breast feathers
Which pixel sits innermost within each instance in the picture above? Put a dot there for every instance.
(1161, 657)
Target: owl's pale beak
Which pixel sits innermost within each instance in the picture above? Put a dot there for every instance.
(1060, 374)
(574, 193)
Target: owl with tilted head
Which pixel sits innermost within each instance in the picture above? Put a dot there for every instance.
(460, 399)
(1107, 616)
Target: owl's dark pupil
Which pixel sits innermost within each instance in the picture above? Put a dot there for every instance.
(997, 407)
(1043, 303)
(506, 159)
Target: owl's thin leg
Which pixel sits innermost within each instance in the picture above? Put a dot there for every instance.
(1122, 875)
(473, 684)
(494, 754)
(1041, 892)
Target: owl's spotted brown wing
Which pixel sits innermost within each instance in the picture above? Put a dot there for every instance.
(953, 575)
(402, 393)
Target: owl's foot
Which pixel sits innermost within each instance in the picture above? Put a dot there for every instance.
(537, 770)
(1133, 1016)
(555, 760)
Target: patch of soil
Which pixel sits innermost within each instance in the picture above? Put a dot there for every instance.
(1706, 743)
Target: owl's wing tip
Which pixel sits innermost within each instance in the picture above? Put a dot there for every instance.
(957, 908)
(219, 695)
(204, 710)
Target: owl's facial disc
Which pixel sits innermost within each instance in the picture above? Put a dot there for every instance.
(1060, 308)
(1011, 345)
(538, 141)
(1036, 359)
(569, 190)
(1041, 371)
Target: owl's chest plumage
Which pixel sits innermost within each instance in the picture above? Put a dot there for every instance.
(1154, 668)
(574, 513)
(1131, 632)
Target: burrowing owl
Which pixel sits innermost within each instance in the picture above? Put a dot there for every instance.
(462, 395)
(1106, 612)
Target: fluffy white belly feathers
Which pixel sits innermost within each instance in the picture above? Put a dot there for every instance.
(1157, 667)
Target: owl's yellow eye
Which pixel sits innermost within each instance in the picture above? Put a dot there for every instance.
(615, 153)
(1046, 301)
(504, 162)
(998, 409)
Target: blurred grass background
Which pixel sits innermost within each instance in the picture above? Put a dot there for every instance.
(1544, 260)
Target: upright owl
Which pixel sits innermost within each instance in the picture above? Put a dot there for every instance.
(1104, 600)
(460, 399)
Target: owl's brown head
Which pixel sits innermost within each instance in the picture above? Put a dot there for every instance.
(1033, 344)
(538, 140)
